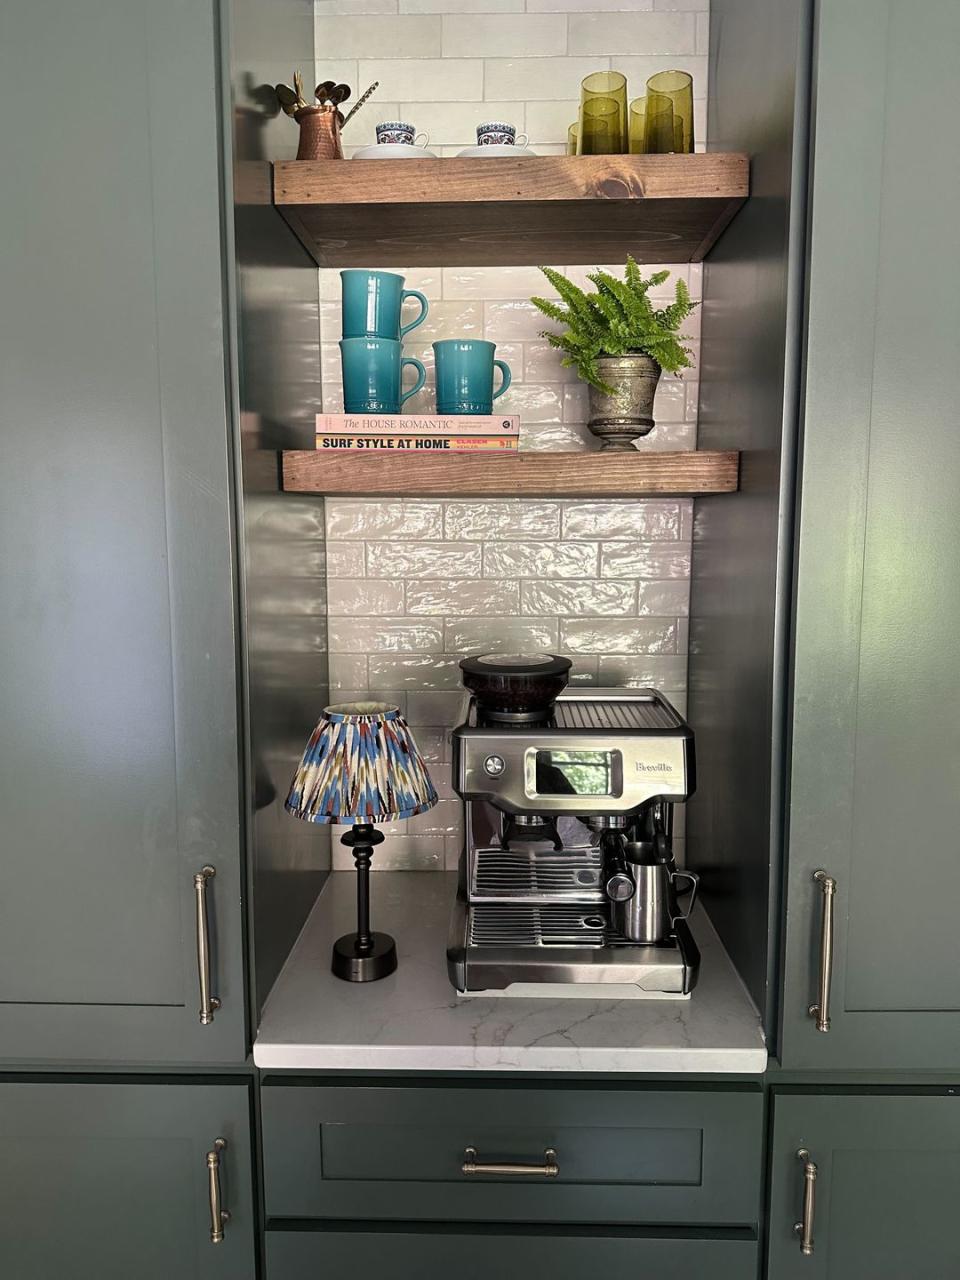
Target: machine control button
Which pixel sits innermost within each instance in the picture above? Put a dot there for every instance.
(494, 766)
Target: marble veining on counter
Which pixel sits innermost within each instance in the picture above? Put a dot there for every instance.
(414, 1020)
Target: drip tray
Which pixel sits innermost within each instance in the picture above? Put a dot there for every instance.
(536, 875)
(553, 925)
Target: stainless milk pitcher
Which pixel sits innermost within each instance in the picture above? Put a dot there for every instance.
(648, 915)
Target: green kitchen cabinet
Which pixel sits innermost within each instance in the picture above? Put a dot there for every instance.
(119, 740)
(562, 1253)
(112, 1181)
(884, 1194)
(874, 782)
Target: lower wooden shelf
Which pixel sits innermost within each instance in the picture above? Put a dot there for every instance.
(534, 474)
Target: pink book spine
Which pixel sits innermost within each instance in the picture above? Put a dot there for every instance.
(424, 424)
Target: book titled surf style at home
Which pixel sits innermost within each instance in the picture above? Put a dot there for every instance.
(422, 444)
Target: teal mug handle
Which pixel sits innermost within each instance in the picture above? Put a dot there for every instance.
(405, 395)
(424, 308)
(505, 371)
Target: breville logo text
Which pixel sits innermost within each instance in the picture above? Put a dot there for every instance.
(660, 767)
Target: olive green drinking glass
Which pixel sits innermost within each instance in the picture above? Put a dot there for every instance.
(638, 116)
(573, 138)
(600, 131)
(603, 85)
(669, 123)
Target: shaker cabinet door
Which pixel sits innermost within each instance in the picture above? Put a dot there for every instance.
(874, 788)
(118, 728)
(883, 1202)
(111, 1181)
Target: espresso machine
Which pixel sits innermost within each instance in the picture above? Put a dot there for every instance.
(567, 882)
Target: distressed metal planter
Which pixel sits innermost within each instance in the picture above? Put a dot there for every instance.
(627, 414)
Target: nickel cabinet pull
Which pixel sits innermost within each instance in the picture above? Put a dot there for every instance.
(804, 1228)
(218, 1216)
(208, 1003)
(821, 1010)
(549, 1169)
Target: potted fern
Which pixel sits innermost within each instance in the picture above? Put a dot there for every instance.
(619, 344)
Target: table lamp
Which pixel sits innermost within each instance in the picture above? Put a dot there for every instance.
(361, 766)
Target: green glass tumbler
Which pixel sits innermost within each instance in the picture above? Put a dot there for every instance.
(638, 121)
(599, 133)
(669, 124)
(603, 85)
(573, 138)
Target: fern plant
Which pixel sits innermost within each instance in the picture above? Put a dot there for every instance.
(618, 320)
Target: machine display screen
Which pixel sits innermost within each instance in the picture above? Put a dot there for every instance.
(578, 773)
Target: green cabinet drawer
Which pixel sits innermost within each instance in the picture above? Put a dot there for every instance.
(406, 1254)
(626, 1153)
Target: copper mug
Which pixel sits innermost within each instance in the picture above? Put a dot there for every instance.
(319, 133)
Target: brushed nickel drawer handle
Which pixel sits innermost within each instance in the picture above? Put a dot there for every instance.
(219, 1217)
(821, 1010)
(804, 1228)
(208, 1003)
(549, 1169)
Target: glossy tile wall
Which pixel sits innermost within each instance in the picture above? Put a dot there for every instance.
(413, 586)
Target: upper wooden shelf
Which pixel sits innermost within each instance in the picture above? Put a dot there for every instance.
(530, 474)
(578, 210)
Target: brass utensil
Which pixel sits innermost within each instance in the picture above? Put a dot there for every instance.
(298, 86)
(360, 101)
(287, 99)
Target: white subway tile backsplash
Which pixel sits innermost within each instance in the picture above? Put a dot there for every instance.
(378, 36)
(557, 437)
(461, 6)
(525, 35)
(384, 635)
(589, 599)
(533, 78)
(543, 363)
(516, 320)
(534, 402)
(639, 67)
(434, 708)
(644, 560)
(419, 80)
(603, 636)
(501, 635)
(588, 6)
(459, 318)
(632, 33)
(348, 671)
(345, 559)
(373, 519)
(518, 518)
(548, 122)
(540, 560)
(703, 33)
(397, 853)
(340, 8)
(413, 671)
(465, 596)
(424, 560)
(670, 436)
(366, 596)
(494, 282)
(658, 671)
(637, 520)
(576, 402)
(455, 123)
(660, 599)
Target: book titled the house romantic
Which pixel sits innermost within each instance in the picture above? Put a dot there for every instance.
(409, 432)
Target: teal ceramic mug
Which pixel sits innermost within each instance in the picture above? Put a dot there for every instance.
(372, 303)
(373, 375)
(465, 376)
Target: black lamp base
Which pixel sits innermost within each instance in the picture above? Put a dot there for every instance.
(354, 965)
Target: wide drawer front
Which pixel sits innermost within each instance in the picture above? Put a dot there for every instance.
(622, 1154)
(318, 1255)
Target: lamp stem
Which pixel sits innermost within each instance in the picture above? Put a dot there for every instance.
(363, 956)
(362, 855)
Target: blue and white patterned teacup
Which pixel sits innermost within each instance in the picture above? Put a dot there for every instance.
(498, 134)
(399, 133)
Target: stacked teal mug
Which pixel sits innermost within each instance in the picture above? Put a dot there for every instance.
(371, 349)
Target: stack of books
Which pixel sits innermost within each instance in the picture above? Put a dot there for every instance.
(418, 432)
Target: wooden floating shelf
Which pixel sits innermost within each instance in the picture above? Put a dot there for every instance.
(530, 474)
(510, 212)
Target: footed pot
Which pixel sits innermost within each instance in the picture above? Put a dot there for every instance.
(627, 414)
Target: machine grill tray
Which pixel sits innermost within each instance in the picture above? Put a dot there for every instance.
(553, 925)
(523, 874)
(632, 713)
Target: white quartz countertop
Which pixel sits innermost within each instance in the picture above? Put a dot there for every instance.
(415, 1021)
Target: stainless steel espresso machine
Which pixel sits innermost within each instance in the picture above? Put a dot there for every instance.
(567, 882)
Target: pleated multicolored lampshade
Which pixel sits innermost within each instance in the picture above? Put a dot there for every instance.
(361, 765)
